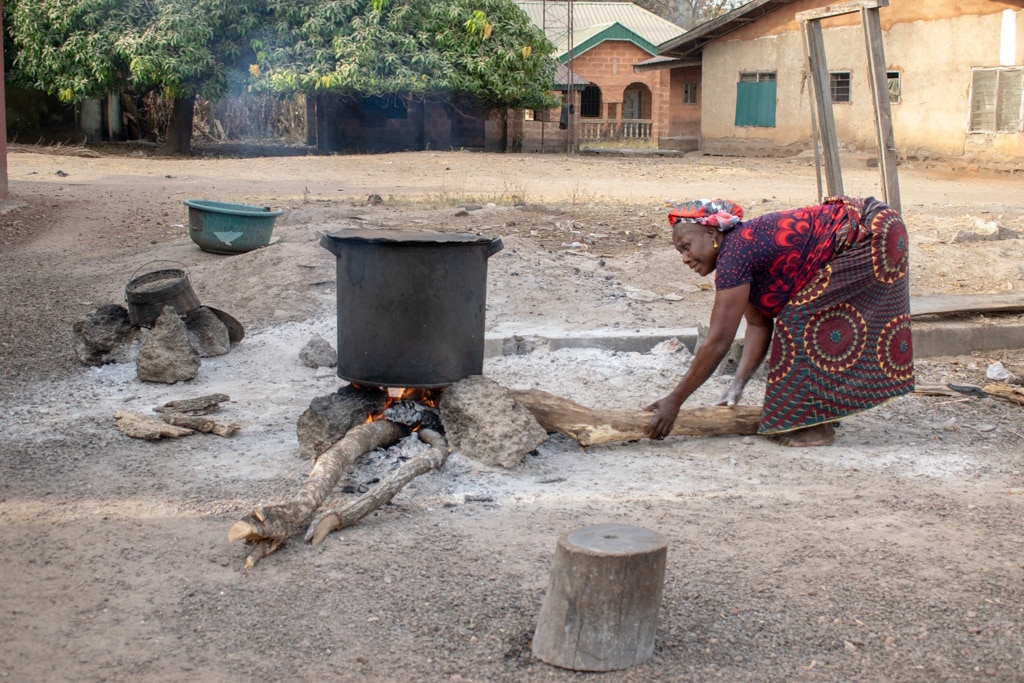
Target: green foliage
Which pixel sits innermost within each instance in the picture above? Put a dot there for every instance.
(484, 48)
(77, 49)
(487, 49)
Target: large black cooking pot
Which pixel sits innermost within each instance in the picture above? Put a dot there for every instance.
(410, 305)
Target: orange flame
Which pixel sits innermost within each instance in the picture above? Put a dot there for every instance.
(428, 397)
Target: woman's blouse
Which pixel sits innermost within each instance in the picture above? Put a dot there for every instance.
(778, 253)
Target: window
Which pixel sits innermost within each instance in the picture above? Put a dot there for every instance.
(690, 93)
(839, 85)
(996, 99)
(755, 99)
(590, 102)
(528, 115)
(895, 86)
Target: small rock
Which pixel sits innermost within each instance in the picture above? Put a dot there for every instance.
(669, 346)
(318, 353)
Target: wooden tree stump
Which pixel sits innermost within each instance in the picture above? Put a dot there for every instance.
(601, 609)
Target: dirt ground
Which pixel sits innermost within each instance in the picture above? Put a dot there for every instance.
(895, 554)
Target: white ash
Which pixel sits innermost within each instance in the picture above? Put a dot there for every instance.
(371, 466)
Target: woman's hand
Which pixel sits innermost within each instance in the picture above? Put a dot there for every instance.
(731, 396)
(665, 412)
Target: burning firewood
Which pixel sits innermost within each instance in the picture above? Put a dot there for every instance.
(589, 426)
(266, 528)
(331, 520)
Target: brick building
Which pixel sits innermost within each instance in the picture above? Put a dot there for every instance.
(608, 100)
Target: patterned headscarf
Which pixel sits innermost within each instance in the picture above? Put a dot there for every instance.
(723, 214)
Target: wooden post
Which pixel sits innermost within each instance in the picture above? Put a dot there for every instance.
(601, 609)
(815, 42)
(883, 112)
(822, 121)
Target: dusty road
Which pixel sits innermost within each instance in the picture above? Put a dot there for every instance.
(893, 555)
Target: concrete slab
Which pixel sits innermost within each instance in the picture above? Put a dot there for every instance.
(933, 338)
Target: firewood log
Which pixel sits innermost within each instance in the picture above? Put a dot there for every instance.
(203, 405)
(274, 524)
(1014, 394)
(202, 424)
(331, 520)
(142, 427)
(589, 426)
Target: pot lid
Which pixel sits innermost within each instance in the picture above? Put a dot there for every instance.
(406, 236)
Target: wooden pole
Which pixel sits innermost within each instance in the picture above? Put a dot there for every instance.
(883, 112)
(823, 104)
(4, 188)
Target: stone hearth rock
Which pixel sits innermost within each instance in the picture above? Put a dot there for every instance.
(207, 332)
(167, 354)
(483, 421)
(104, 336)
(328, 418)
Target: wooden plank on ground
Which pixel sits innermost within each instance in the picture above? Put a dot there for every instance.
(946, 304)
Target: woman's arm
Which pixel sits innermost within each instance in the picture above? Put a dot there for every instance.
(726, 313)
(755, 345)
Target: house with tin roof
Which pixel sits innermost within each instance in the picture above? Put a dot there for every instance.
(604, 99)
(954, 70)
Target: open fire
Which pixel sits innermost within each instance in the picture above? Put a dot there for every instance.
(416, 408)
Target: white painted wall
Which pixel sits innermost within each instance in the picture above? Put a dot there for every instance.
(934, 57)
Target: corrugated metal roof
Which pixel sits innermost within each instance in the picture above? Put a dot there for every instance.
(692, 44)
(590, 19)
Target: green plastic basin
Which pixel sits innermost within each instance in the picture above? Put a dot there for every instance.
(226, 228)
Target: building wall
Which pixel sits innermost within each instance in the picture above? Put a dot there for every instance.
(542, 134)
(609, 66)
(934, 57)
(684, 119)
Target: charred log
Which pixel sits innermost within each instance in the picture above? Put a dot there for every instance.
(385, 490)
(275, 524)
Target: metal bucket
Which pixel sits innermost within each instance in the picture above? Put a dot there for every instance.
(410, 305)
(147, 294)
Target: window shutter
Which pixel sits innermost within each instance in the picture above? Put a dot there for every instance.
(983, 99)
(1009, 101)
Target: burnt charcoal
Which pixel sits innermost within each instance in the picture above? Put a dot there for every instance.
(414, 414)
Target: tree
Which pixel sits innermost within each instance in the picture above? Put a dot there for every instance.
(81, 49)
(690, 13)
(487, 49)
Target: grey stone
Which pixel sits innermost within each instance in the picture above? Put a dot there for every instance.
(104, 336)
(167, 354)
(207, 332)
(328, 418)
(483, 421)
(318, 353)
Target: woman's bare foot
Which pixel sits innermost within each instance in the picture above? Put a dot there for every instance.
(818, 435)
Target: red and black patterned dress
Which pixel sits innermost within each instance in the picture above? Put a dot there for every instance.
(834, 277)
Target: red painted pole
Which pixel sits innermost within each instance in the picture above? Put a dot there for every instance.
(3, 115)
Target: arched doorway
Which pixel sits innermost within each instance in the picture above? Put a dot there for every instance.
(637, 110)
